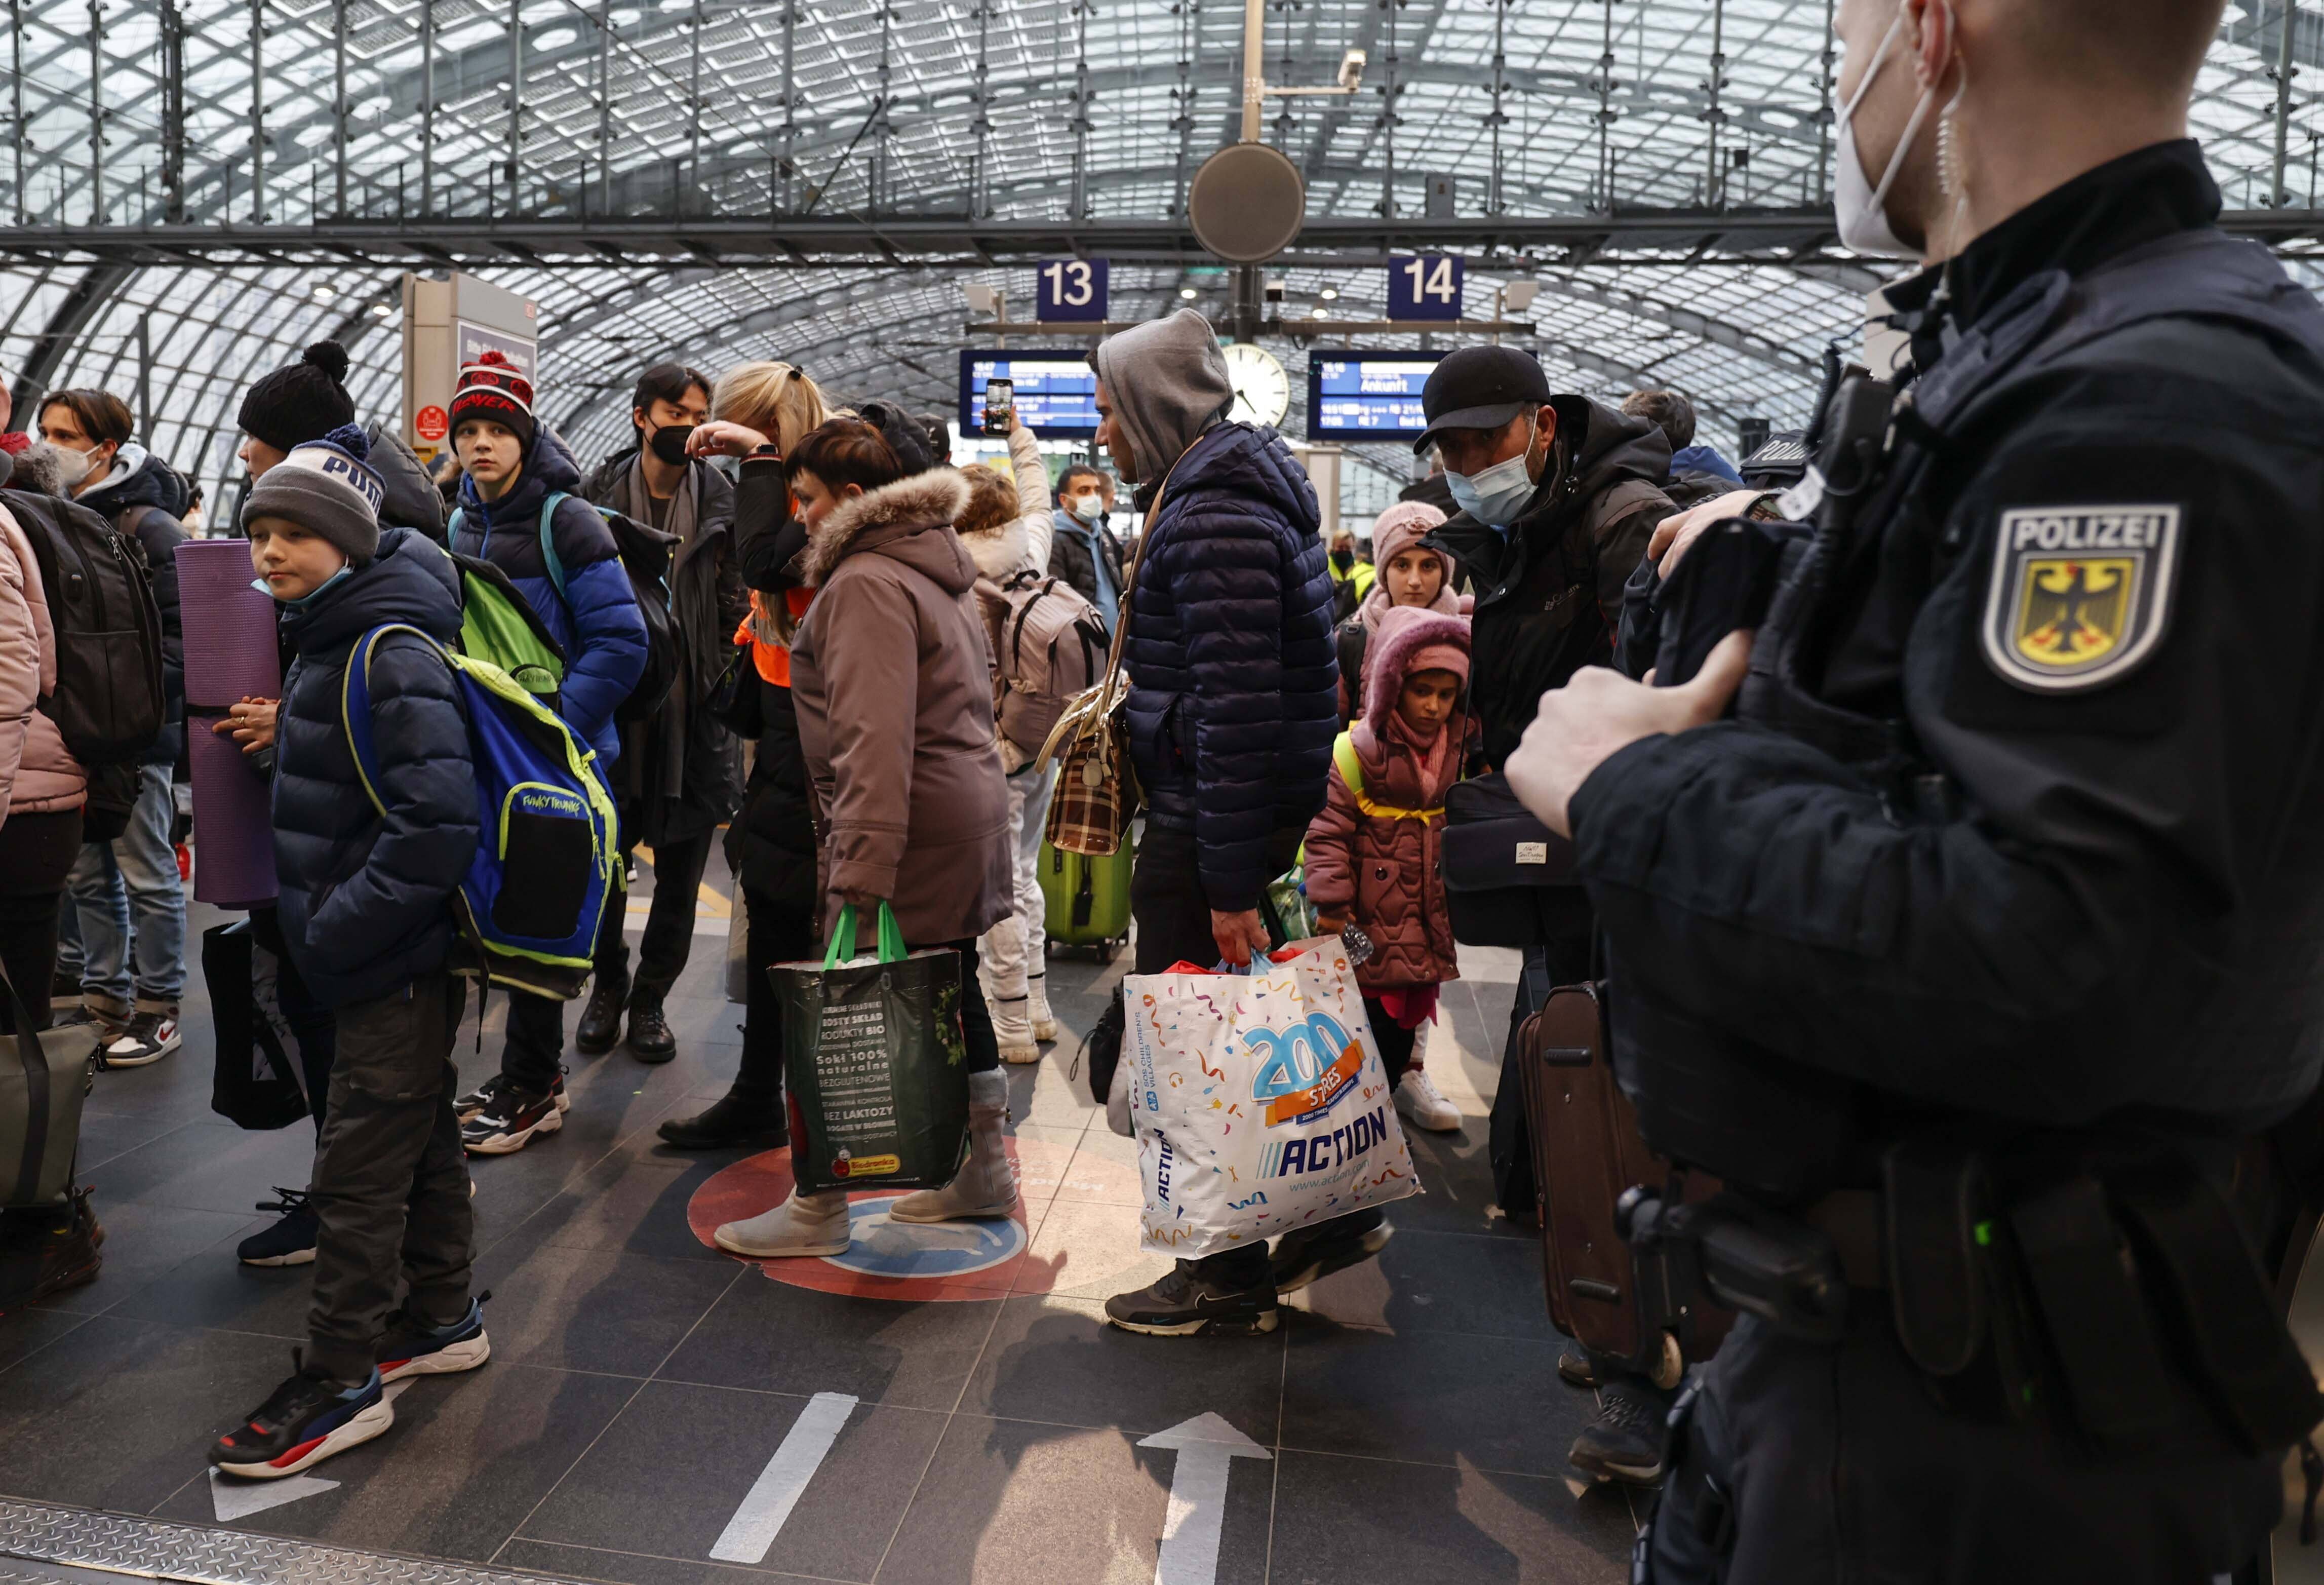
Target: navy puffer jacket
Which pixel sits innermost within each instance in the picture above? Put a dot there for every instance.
(364, 897)
(1233, 684)
(597, 620)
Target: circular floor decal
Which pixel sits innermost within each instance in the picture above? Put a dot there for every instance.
(948, 1261)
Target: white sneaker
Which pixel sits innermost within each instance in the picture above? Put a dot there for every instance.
(1420, 1103)
(804, 1224)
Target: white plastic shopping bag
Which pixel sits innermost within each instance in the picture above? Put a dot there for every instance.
(1259, 1100)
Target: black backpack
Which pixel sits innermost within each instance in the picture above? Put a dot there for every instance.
(645, 554)
(109, 703)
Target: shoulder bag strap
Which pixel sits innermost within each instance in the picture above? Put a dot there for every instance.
(549, 556)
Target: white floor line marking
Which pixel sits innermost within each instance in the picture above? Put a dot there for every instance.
(235, 1500)
(751, 1532)
(1206, 1446)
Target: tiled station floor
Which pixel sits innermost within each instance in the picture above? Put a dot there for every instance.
(1404, 1425)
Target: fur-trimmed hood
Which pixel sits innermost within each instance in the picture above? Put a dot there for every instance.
(1403, 634)
(899, 520)
(999, 553)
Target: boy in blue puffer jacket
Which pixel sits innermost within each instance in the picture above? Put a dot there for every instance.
(364, 911)
(513, 468)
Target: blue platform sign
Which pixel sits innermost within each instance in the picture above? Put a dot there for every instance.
(1069, 289)
(1424, 286)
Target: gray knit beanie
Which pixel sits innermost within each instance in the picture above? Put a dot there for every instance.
(326, 488)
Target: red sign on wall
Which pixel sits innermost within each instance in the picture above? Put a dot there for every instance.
(431, 422)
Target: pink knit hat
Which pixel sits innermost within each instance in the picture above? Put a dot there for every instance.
(1395, 530)
(1410, 638)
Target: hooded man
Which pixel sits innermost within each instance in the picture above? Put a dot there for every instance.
(1232, 708)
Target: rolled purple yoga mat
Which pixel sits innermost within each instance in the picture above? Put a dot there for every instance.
(230, 654)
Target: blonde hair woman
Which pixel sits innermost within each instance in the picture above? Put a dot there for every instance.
(759, 412)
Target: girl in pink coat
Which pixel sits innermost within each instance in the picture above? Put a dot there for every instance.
(1372, 853)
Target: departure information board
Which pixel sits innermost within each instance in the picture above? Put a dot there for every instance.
(1056, 391)
(1367, 395)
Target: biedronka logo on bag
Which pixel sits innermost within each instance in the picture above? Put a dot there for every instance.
(1260, 1103)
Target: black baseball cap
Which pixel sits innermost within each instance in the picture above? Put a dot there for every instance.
(1481, 388)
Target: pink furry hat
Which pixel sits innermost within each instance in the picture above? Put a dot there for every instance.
(1410, 639)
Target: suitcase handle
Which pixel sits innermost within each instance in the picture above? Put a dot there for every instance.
(1564, 1056)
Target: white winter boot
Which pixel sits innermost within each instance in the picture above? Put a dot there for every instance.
(1045, 1022)
(804, 1224)
(986, 1185)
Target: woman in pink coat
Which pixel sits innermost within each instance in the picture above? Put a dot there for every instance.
(1372, 852)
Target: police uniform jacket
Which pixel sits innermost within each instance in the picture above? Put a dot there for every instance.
(2019, 823)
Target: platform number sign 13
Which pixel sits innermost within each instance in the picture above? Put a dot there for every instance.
(1070, 289)
(1424, 286)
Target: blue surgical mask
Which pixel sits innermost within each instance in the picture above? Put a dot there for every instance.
(1495, 496)
(303, 601)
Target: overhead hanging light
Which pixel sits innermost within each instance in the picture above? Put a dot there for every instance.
(323, 293)
(382, 309)
(1188, 293)
(1319, 312)
(1330, 294)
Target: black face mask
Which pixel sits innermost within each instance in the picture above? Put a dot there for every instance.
(668, 442)
(1343, 560)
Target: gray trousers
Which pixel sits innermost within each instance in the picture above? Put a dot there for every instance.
(390, 1184)
(1799, 1464)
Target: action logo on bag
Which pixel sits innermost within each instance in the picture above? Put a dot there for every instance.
(2079, 595)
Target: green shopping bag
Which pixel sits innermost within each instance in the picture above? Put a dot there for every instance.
(875, 1063)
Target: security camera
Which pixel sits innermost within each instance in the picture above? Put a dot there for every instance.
(1521, 294)
(1275, 290)
(1351, 71)
(981, 299)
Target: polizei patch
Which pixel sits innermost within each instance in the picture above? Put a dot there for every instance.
(2080, 595)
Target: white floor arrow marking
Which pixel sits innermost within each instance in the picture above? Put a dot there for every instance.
(1206, 1446)
(238, 1499)
(751, 1532)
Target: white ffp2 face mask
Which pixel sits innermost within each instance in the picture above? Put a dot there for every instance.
(1860, 206)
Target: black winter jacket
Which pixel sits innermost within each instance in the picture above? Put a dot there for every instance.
(772, 844)
(1549, 592)
(364, 904)
(1074, 552)
(411, 498)
(1233, 686)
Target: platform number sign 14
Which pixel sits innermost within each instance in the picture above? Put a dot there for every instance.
(1070, 289)
(1424, 286)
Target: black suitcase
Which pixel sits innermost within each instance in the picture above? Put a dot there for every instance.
(1508, 879)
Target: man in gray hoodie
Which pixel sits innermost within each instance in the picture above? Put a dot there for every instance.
(1233, 707)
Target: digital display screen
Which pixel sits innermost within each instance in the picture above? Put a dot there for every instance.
(1056, 391)
(1367, 395)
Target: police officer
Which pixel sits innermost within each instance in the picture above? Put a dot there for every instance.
(1969, 950)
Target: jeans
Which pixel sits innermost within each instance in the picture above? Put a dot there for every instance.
(1014, 952)
(678, 870)
(390, 1182)
(132, 880)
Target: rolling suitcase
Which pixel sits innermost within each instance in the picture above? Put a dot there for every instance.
(1587, 1150)
(1087, 901)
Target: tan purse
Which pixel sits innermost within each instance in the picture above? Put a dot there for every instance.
(1097, 790)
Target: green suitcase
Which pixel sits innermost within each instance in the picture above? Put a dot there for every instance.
(1087, 900)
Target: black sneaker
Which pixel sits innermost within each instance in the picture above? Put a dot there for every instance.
(1304, 1254)
(600, 1029)
(44, 1254)
(512, 1115)
(303, 1421)
(147, 1037)
(488, 1094)
(730, 1121)
(1187, 1304)
(290, 1241)
(1624, 1442)
(414, 1346)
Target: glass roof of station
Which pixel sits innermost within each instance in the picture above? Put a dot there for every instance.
(300, 109)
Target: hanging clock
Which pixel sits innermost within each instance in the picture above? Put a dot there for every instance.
(1262, 390)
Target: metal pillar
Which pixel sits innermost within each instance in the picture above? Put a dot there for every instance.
(693, 107)
(145, 377)
(877, 178)
(17, 90)
(1825, 83)
(978, 168)
(2279, 197)
(258, 111)
(427, 107)
(96, 209)
(1713, 180)
(173, 113)
(1606, 115)
(790, 105)
(1496, 193)
(339, 102)
(1388, 119)
(605, 107)
(1078, 204)
(1183, 98)
(516, 103)
(1254, 66)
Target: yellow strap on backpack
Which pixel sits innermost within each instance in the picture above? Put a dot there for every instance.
(1352, 772)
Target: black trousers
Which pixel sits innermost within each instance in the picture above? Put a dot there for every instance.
(1805, 1464)
(534, 1053)
(36, 853)
(668, 941)
(1396, 1043)
(776, 933)
(390, 1184)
